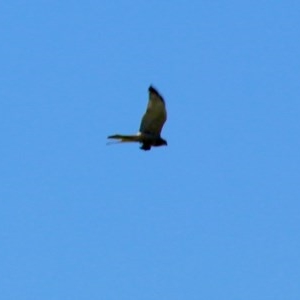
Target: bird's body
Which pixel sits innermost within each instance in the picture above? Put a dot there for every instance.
(151, 124)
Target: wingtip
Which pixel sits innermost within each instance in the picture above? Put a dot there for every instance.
(153, 90)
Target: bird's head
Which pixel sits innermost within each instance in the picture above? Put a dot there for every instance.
(161, 142)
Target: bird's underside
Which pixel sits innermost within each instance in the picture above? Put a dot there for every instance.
(151, 124)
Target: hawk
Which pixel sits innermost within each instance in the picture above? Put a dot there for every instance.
(151, 124)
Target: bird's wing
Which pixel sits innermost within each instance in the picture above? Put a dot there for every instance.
(155, 115)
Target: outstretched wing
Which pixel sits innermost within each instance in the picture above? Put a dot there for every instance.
(155, 115)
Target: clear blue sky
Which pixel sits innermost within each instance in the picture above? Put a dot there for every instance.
(215, 215)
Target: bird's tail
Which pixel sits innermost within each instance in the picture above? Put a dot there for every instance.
(125, 138)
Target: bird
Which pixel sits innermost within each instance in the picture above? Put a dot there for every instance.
(151, 124)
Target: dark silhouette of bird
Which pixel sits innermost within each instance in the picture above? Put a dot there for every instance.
(151, 124)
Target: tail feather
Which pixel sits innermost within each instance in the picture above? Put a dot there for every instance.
(125, 138)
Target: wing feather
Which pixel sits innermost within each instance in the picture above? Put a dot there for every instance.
(155, 115)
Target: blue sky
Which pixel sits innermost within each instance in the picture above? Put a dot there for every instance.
(215, 215)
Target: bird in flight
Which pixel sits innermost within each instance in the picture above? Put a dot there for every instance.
(151, 124)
